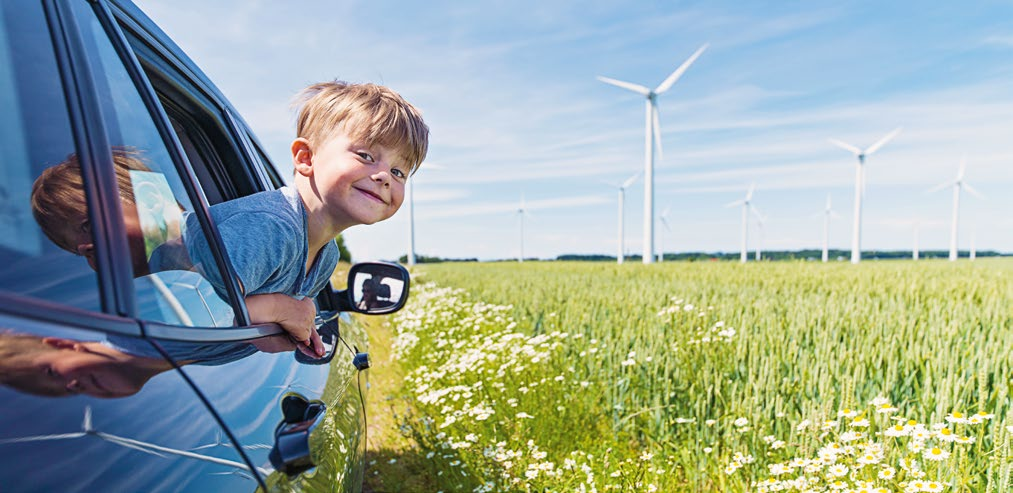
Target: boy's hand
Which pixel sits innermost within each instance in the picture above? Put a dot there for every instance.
(295, 316)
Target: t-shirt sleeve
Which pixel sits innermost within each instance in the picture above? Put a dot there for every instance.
(258, 244)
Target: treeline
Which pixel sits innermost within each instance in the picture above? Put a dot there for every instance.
(812, 255)
(808, 255)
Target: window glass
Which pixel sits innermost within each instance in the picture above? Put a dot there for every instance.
(41, 246)
(169, 287)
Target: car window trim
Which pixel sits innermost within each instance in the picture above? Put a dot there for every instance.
(162, 331)
(25, 313)
(175, 150)
(96, 161)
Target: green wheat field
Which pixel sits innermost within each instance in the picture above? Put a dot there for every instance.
(709, 376)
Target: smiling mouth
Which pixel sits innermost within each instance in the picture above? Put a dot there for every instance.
(372, 196)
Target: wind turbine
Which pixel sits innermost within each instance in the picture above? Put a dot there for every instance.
(856, 237)
(827, 214)
(652, 133)
(622, 216)
(521, 212)
(746, 205)
(410, 192)
(957, 185)
(914, 249)
(759, 224)
(661, 238)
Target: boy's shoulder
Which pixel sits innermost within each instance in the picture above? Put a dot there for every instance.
(283, 201)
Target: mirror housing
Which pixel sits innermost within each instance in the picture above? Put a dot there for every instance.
(374, 288)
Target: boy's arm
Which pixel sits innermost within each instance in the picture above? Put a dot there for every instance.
(295, 316)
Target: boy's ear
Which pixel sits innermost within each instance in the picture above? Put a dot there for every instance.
(302, 156)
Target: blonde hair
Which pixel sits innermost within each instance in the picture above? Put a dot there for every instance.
(370, 112)
(58, 199)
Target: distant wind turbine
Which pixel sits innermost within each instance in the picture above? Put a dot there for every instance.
(827, 214)
(856, 237)
(914, 248)
(661, 238)
(957, 184)
(746, 205)
(759, 228)
(521, 212)
(652, 133)
(622, 215)
(974, 233)
(410, 192)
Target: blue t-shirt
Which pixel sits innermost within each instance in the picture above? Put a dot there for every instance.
(265, 236)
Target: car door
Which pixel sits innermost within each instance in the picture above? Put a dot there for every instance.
(89, 404)
(301, 422)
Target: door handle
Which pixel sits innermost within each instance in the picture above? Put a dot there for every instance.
(291, 451)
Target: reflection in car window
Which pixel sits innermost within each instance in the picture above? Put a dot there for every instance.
(169, 288)
(40, 253)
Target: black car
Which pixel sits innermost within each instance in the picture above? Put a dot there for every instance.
(115, 376)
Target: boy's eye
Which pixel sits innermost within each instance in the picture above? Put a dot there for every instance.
(398, 173)
(365, 155)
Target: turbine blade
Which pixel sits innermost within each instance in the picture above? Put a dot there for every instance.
(973, 191)
(749, 194)
(756, 212)
(665, 212)
(43, 438)
(637, 88)
(665, 224)
(962, 168)
(941, 186)
(629, 181)
(736, 203)
(887, 138)
(667, 83)
(656, 128)
(847, 147)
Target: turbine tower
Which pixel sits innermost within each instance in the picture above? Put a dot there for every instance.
(827, 213)
(759, 229)
(914, 249)
(652, 133)
(661, 238)
(411, 221)
(521, 212)
(957, 185)
(622, 215)
(746, 205)
(856, 236)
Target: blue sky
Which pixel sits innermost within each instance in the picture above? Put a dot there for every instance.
(509, 92)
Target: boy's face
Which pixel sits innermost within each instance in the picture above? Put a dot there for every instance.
(357, 182)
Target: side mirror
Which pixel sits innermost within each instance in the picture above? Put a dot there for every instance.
(375, 288)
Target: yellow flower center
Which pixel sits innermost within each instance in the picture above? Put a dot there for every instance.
(936, 451)
(945, 431)
(957, 415)
(912, 422)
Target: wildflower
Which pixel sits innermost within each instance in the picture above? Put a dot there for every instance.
(887, 473)
(802, 425)
(933, 487)
(741, 422)
(868, 459)
(838, 470)
(777, 444)
(886, 409)
(847, 413)
(685, 420)
(646, 456)
(851, 436)
(897, 431)
(956, 417)
(524, 415)
(946, 435)
(707, 450)
(984, 416)
(778, 469)
(710, 422)
(936, 454)
(859, 423)
(879, 401)
(829, 425)
(965, 440)
(838, 485)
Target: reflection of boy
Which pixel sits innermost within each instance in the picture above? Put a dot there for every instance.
(60, 208)
(356, 146)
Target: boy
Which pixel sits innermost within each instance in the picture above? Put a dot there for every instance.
(355, 147)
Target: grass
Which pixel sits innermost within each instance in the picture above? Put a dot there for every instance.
(704, 376)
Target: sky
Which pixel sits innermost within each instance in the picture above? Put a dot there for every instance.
(509, 91)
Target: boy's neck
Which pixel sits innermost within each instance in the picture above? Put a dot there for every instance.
(320, 230)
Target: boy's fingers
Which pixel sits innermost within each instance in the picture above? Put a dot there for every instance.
(316, 343)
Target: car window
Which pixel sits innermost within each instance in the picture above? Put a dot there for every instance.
(43, 247)
(157, 212)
